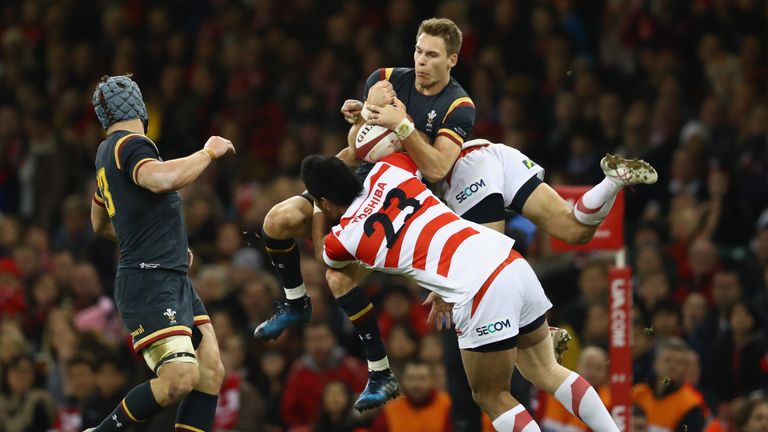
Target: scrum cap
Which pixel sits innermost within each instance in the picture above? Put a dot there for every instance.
(118, 98)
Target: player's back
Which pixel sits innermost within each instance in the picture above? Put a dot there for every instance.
(398, 226)
(150, 227)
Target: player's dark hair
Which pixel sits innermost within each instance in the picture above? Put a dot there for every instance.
(328, 177)
(445, 29)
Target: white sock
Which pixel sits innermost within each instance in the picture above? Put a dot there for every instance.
(581, 400)
(515, 420)
(294, 293)
(596, 203)
(378, 365)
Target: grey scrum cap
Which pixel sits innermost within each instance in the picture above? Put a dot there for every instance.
(118, 98)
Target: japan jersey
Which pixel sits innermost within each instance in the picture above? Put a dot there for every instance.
(399, 226)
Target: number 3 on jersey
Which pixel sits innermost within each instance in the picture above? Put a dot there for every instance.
(101, 180)
(386, 220)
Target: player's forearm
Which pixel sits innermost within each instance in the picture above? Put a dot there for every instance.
(319, 231)
(172, 175)
(352, 135)
(348, 156)
(433, 164)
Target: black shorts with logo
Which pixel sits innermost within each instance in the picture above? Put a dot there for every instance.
(155, 304)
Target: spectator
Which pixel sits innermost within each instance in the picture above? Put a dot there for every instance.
(667, 402)
(94, 311)
(240, 406)
(741, 371)
(323, 362)
(336, 412)
(23, 407)
(423, 408)
(111, 385)
(753, 417)
(79, 387)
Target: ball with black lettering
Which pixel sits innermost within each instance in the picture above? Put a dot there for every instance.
(375, 142)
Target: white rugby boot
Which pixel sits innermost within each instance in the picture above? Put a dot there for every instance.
(628, 172)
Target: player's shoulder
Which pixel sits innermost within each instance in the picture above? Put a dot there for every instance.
(455, 89)
(392, 74)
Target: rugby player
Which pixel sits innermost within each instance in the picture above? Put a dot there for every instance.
(394, 224)
(138, 206)
(434, 118)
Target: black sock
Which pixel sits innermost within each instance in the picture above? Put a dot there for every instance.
(138, 406)
(196, 412)
(286, 260)
(360, 311)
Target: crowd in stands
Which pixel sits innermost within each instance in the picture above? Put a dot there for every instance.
(678, 83)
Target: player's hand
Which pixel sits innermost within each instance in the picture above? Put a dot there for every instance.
(388, 116)
(351, 110)
(219, 145)
(382, 93)
(441, 313)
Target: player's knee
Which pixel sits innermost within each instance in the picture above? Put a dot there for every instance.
(283, 220)
(489, 399)
(178, 380)
(338, 282)
(212, 371)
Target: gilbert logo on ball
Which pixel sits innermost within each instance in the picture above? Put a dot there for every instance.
(375, 142)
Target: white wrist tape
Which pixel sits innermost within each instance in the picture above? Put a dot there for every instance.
(365, 113)
(404, 129)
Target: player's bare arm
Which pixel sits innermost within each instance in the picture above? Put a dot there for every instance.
(166, 176)
(434, 161)
(101, 223)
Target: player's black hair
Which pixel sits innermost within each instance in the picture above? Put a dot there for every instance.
(328, 177)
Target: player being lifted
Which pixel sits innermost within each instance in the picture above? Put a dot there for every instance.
(438, 107)
(393, 223)
(137, 205)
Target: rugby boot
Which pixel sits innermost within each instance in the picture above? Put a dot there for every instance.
(381, 387)
(286, 315)
(628, 172)
(560, 339)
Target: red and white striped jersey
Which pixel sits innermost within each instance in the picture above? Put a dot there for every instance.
(398, 226)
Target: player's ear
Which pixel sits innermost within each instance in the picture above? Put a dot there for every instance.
(453, 59)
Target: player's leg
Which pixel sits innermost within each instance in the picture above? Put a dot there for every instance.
(177, 375)
(489, 374)
(284, 223)
(197, 410)
(596, 203)
(538, 365)
(382, 384)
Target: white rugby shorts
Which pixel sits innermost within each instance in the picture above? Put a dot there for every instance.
(483, 169)
(511, 298)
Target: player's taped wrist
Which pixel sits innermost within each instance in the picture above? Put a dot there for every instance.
(365, 113)
(405, 128)
(211, 154)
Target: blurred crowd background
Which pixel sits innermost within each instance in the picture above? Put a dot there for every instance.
(679, 83)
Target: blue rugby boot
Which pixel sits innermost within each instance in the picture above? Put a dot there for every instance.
(382, 386)
(286, 315)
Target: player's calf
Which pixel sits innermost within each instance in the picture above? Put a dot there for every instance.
(285, 221)
(198, 408)
(382, 384)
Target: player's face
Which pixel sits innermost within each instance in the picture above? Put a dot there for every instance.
(432, 62)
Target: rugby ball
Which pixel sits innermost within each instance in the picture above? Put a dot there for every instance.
(375, 142)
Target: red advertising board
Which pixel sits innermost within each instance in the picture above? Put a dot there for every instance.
(609, 235)
(621, 345)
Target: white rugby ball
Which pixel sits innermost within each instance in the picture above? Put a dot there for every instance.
(375, 142)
